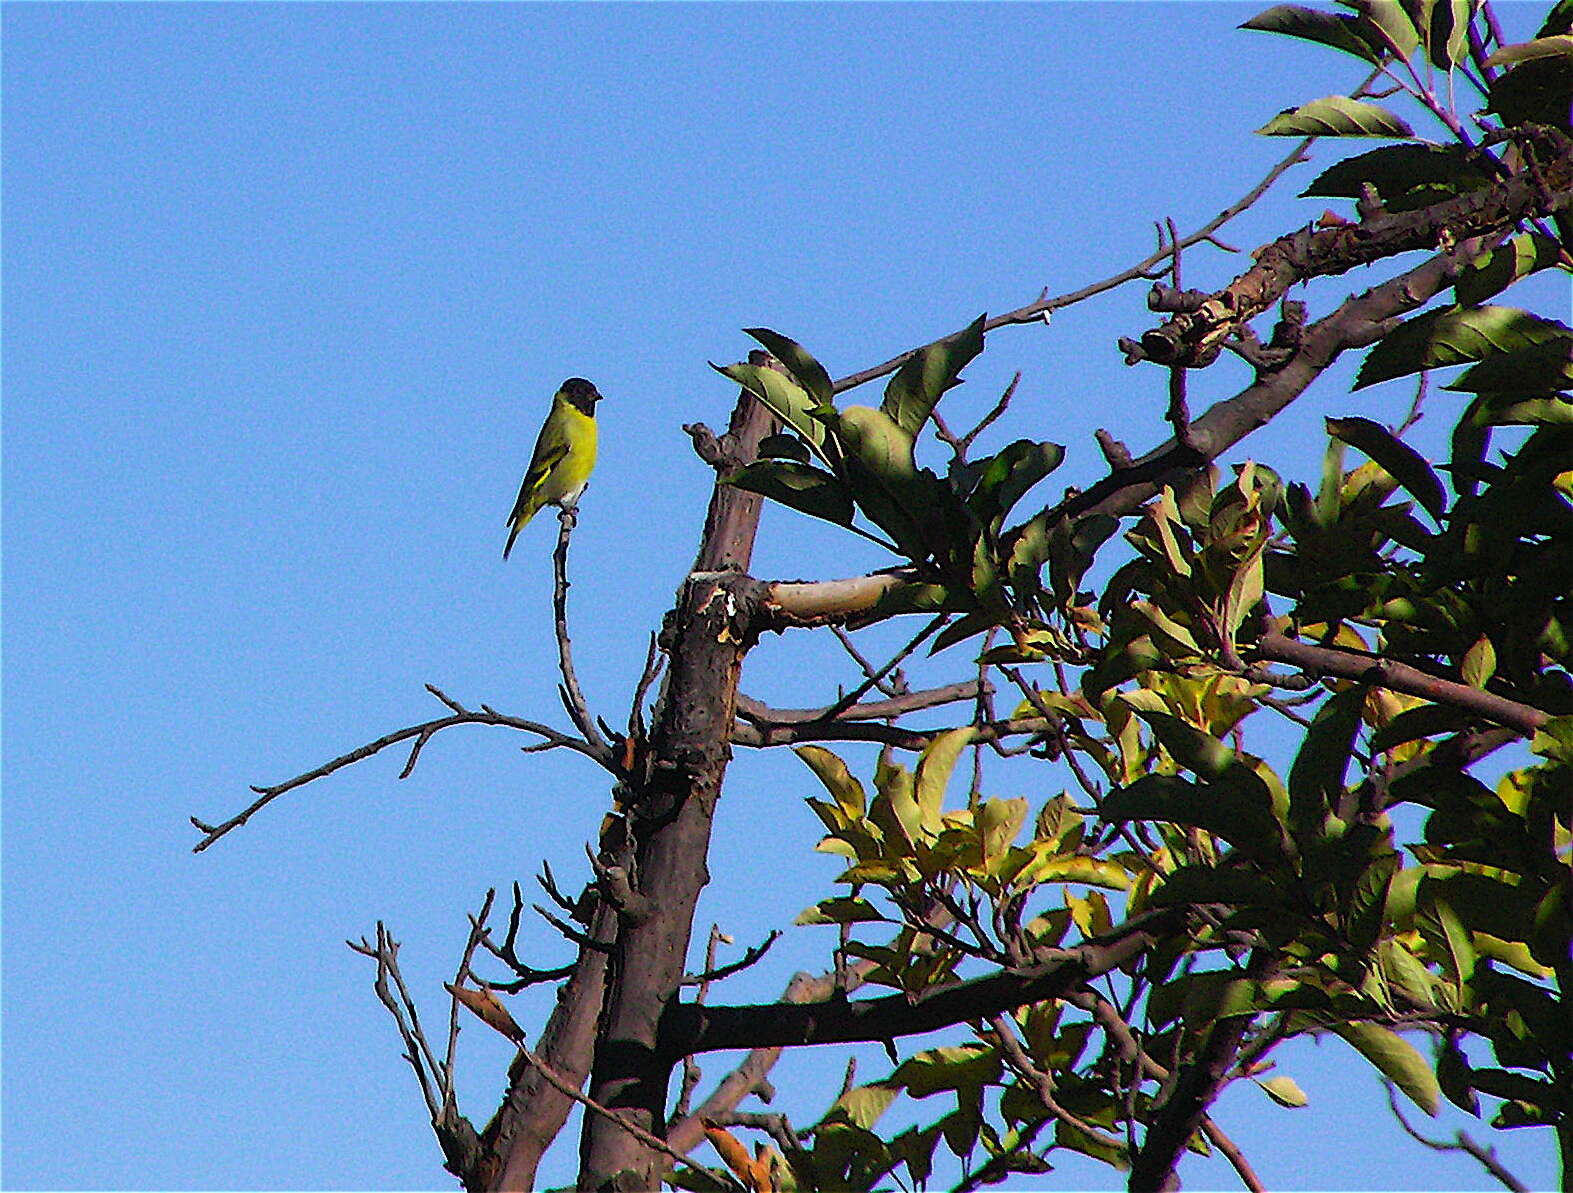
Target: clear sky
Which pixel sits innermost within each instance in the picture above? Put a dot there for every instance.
(287, 288)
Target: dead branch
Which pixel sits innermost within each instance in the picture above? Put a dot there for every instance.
(422, 733)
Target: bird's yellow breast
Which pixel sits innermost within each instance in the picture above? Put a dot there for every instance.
(571, 473)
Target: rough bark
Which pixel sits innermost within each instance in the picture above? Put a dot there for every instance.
(670, 805)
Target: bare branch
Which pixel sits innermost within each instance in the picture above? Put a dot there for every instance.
(1400, 677)
(422, 733)
(713, 973)
(1487, 1156)
(1037, 310)
(573, 697)
(875, 710)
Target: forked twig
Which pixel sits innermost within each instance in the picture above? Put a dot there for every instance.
(422, 733)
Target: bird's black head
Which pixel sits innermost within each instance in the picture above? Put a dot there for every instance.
(580, 394)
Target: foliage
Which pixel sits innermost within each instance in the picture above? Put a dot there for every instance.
(1376, 889)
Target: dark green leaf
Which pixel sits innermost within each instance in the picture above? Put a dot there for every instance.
(1402, 462)
(1325, 28)
(802, 486)
(1535, 92)
(1453, 1075)
(1539, 370)
(1336, 116)
(1398, 170)
(1428, 720)
(1230, 814)
(1495, 271)
(1316, 780)
(1008, 475)
(783, 447)
(807, 371)
(1454, 335)
(917, 385)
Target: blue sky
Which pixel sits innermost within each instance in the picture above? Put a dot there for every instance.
(287, 290)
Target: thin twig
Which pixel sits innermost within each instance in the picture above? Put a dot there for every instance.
(1034, 311)
(573, 696)
(1487, 1156)
(639, 1133)
(422, 733)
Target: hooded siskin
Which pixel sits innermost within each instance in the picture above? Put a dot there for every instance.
(564, 456)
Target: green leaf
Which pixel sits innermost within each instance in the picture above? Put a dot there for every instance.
(1480, 663)
(1336, 116)
(917, 385)
(1540, 369)
(1325, 28)
(805, 370)
(838, 780)
(1389, 25)
(1455, 335)
(1201, 753)
(803, 487)
(1556, 46)
(1236, 817)
(1496, 270)
(1316, 780)
(935, 767)
(1396, 1059)
(789, 401)
(1008, 475)
(843, 909)
(1396, 171)
(1447, 40)
(863, 1106)
(1284, 1091)
(1402, 462)
(1554, 740)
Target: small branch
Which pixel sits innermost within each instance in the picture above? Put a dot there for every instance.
(714, 974)
(1487, 1156)
(422, 733)
(691, 1029)
(644, 1137)
(573, 697)
(875, 710)
(1400, 677)
(895, 687)
(1043, 1085)
(857, 693)
(1035, 311)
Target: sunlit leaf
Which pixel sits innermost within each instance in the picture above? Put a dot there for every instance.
(1454, 335)
(1336, 116)
(1396, 1059)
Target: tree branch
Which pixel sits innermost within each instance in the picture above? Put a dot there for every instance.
(1400, 677)
(422, 733)
(690, 1028)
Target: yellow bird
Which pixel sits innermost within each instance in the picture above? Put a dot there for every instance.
(564, 456)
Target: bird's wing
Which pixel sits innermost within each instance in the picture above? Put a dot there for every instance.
(548, 452)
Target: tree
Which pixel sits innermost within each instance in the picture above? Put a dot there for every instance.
(1109, 961)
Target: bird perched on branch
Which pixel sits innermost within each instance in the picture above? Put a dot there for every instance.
(564, 456)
